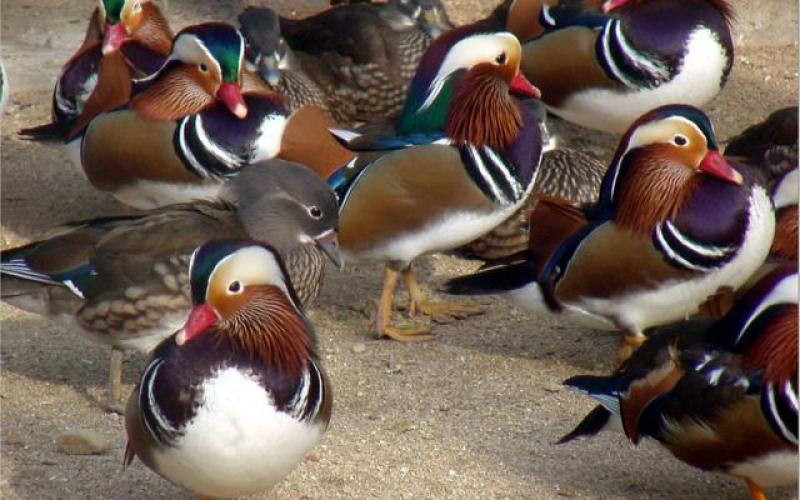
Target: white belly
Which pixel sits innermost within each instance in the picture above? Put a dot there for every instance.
(530, 298)
(238, 443)
(440, 235)
(775, 469)
(696, 83)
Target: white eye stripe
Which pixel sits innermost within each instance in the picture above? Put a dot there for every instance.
(467, 53)
(650, 133)
(190, 49)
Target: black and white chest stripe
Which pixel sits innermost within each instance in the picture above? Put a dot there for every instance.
(308, 399)
(623, 63)
(684, 252)
(304, 406)
(156, 423)
(779, 404)
(201, 155)
(492, 174)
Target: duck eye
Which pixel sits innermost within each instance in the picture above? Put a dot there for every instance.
(235, 287)
(680, 140)
(501, 59)
(203, 68)
(315, 212)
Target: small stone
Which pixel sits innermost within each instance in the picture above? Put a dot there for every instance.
(443, 319)
(312, 457)
(82, 442)
(552, 388)
(359, 347)
(14, 440)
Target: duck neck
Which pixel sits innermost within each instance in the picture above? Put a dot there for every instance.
(271, 330)
(482, 113)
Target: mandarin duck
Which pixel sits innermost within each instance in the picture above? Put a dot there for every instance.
(772, 145)
(720, 396)
(268, 55)
(467, 163)
(569, 174)
(603, 67)
(125, 38)
(364, 55)
(231, 403)
(674, 223)
(187, 128)
(123, 279)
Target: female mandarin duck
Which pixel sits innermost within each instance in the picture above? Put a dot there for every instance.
(719, 396)
(187, 128)
(123, 280)
(467, 161)
(602, 68)
(231, 404)
(772, 144)
(125, 38)
(364, 75)
(675, 222)
(268, 54)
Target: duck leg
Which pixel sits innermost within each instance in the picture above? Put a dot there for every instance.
(114, 403)
(630, 342)
(418, 304)
(383, 318)
(756, 493)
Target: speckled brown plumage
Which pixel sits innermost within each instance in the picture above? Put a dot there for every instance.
(365, 76)
(124, 279)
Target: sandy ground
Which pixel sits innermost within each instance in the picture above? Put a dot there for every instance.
(473, 414)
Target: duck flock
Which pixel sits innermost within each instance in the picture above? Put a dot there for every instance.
(251, 156)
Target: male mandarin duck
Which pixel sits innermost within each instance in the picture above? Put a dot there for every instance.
(603, 67)
(569, 174)
(125, 38)
(187, 128)
(230, 404)
(675, 222)
(123, 279)
(467, 161)
(365, 73)
(719, 396)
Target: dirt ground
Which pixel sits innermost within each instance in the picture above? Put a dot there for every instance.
(473, 414)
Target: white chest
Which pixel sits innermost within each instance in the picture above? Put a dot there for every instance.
(697, 82)
(238, 443)
(775, 469)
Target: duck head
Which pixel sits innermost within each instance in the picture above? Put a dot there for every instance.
(660, 161)
(267, 52)
(287, 205)
(470, 71)
(428, 15)
(133, 20)
(204, 67)
(241, 291)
